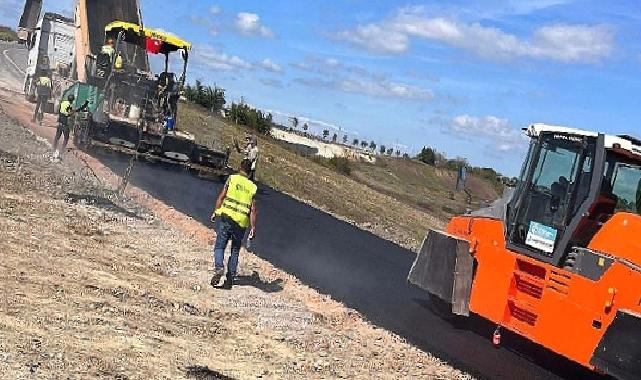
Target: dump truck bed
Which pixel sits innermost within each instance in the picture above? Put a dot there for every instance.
(29, 19)
(30, 14)
(92, 16)
(102, 12)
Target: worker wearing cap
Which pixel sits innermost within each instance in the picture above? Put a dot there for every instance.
(66, 110)
(236, 211)
(43, 93)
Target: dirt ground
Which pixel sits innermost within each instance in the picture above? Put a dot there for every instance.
(95, 285)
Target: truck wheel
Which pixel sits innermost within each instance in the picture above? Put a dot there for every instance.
(28, 90)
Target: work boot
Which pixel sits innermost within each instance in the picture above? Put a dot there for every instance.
(218, 274)
(229, 281)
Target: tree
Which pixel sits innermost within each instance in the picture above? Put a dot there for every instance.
(390, 151)
(294, 121)
(398, 153)
(212, 98)
(427, 155)
(364, 144)
(334, 137)
(372, 145)
(305, 127)
(355, 142)
(382, 149)
(325, 134)
(345, 138)
(255, 119)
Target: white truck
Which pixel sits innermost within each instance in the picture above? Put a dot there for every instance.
(51, 51)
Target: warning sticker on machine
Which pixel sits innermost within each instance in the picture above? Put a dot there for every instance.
(541, 237)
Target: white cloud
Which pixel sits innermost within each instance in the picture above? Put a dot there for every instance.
(559, 42)
(333, 67)
(249, 24)
(269, 65)
(272, 82)
(498, 132)
(385, 89)
(215, 9)
(206, 56)
(376, 38)
(373, 88)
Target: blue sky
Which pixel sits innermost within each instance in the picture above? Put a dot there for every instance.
(462, 77)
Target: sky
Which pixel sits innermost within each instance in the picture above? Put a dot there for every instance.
(461, 77)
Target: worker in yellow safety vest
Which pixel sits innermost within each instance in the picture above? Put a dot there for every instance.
(236, 211)
(43, 94)
(108, 48)
(65, 112)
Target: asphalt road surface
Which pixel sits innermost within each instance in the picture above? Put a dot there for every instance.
(355, 267)
(13, 60)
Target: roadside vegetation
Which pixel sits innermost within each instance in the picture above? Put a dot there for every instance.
(7, 34)
(397, 197)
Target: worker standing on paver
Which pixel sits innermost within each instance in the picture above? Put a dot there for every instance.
(108, 48)
(236, 211)
(65, 112)
(43, 93)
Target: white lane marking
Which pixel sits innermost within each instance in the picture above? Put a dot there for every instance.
(4, 52)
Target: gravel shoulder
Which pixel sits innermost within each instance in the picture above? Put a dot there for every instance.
(99, 286)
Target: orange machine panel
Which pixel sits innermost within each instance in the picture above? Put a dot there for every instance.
(559, 309)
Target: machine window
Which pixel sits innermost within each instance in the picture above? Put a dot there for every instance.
(626, 186)
(557, 165)
(562, 172)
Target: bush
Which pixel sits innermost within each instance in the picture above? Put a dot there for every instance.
(341, 165)
(338, 164)
(7, 34)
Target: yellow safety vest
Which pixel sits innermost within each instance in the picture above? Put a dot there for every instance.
(44, 81)
(65, 107)
(107, 49)
(238, 201)
(118, 63)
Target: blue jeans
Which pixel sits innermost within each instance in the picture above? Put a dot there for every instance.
(227, 229)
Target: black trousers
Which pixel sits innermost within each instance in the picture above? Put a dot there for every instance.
(41, 102)
(62, 129)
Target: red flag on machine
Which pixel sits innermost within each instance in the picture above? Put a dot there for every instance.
(153, 45)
